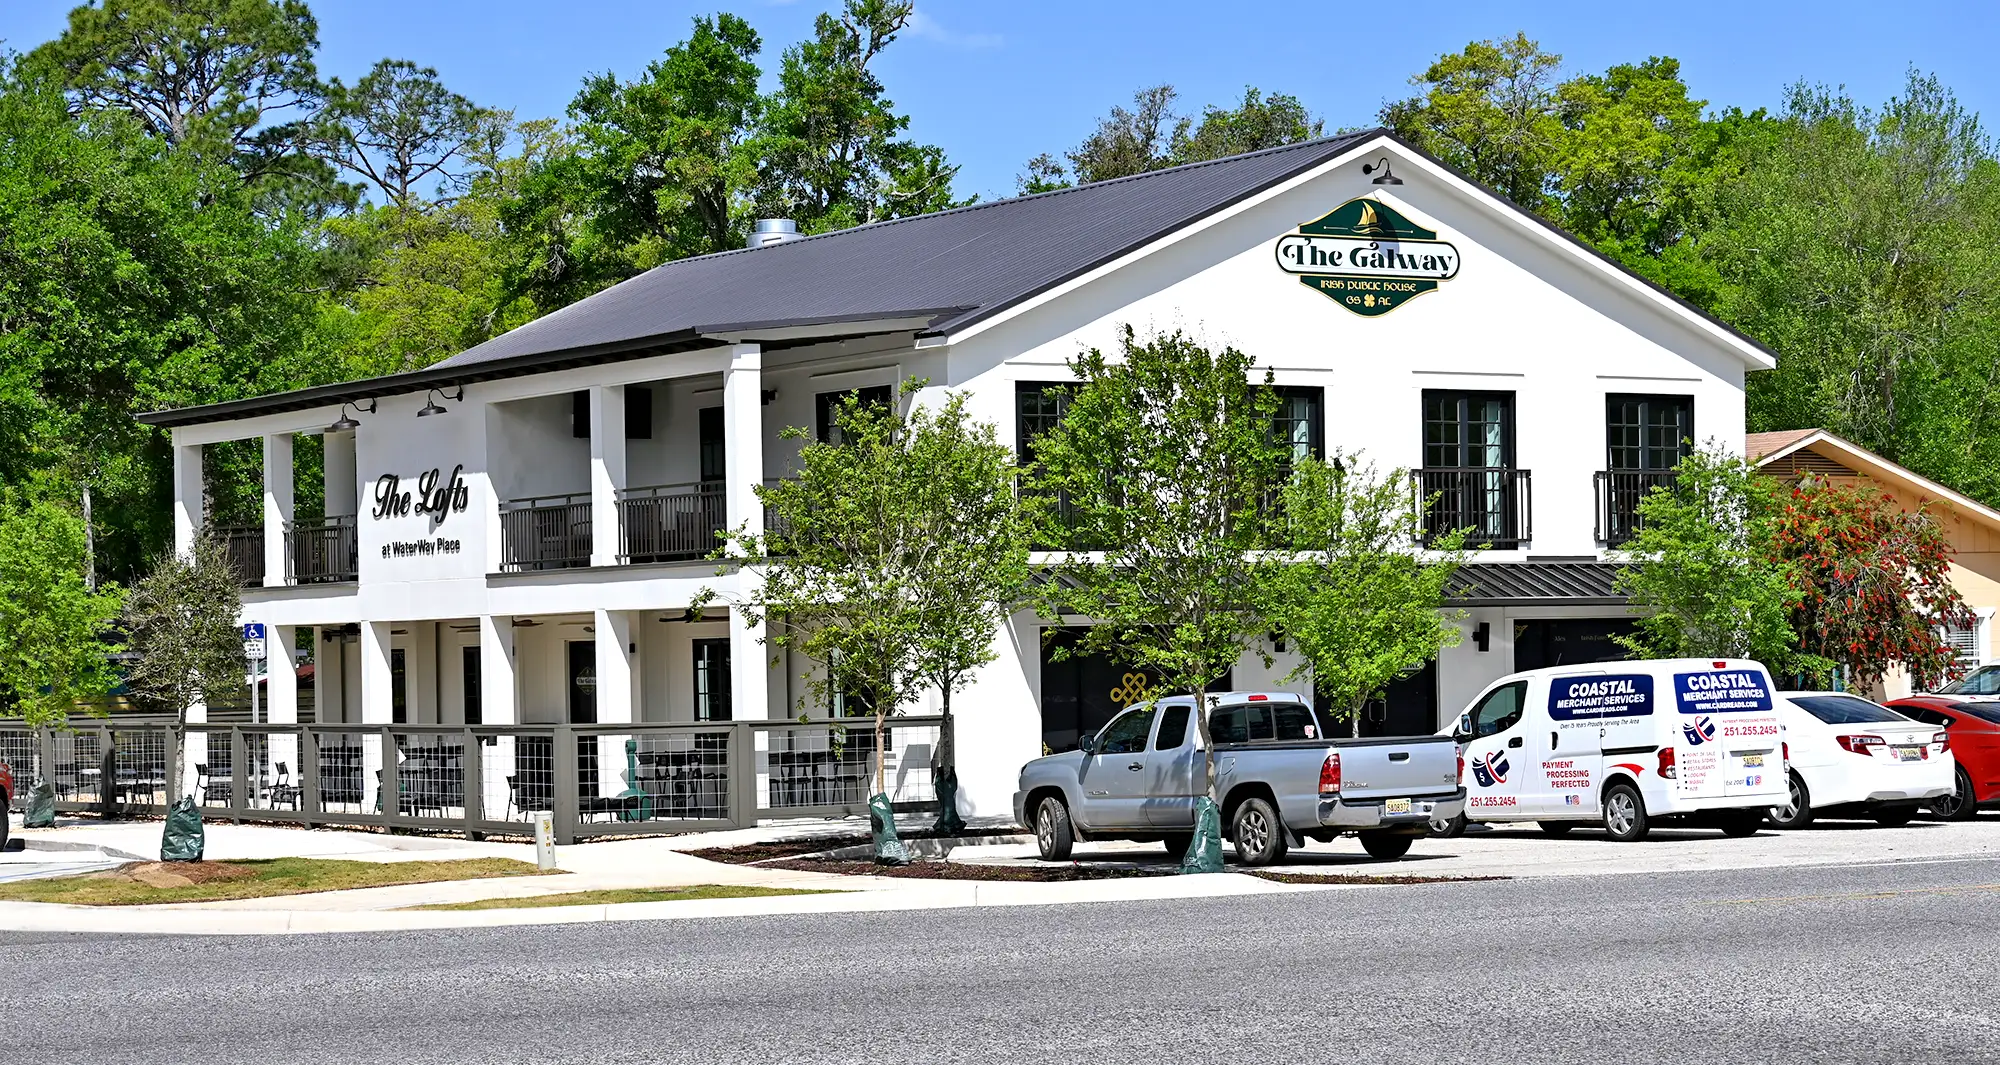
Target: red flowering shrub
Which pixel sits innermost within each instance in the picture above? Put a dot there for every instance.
(1875, 582)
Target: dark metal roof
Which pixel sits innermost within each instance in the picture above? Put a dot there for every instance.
(1535, 584)
(950, 268)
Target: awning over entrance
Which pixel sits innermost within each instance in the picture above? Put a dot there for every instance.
(1534, 584)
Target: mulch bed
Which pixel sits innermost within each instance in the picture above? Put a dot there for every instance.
(1359, 878)
(1038, 874)
(176, 874)
(752, 853)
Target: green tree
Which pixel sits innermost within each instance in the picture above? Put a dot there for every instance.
(1164, 459)
(829, 144)
(181, 620)
(1489, 110)
(1357, 598)
(1258, 122)
(1873, 582)
(1703, 574)
(397, 127)
(1151, 136)
(864, 563)
(57, 649)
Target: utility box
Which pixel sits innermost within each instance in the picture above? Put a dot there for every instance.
(545, 841)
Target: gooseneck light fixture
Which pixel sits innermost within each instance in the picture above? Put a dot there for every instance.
(431, 407)
(347, 424)
(1381, 164)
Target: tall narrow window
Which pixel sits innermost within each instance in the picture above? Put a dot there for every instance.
(638, 412)
(583, 682)
(1300, 423)
(475, 712)
(1647, 432)
(1468, 480)
(713, 455)
(827, 406)
(711, 681)
(399, 688)
(1038, 406)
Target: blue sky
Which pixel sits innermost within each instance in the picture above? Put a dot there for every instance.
(996, 83)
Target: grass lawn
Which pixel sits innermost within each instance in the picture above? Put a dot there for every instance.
(614, 895)
(141, 883)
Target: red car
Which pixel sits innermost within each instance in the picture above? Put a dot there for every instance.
(1973, 729)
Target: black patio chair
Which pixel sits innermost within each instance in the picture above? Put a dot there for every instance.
(283, 790)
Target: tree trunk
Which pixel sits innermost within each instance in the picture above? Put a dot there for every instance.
(881, 776)
(1201, 709)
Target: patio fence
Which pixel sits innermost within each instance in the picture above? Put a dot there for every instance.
(595, 780)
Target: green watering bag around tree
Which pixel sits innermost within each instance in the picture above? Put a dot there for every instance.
(1204, 855)
(41, 812)
(889, 849)
(183, 839)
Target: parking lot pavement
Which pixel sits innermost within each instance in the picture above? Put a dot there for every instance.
(1523, 851)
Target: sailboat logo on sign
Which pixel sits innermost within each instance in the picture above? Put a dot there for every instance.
(1367, 257)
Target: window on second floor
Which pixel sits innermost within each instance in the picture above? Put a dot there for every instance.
(1038, 406)
(1647, 433)
(714, 462)
(1468, 430)
(826, 406)
(1301, 421)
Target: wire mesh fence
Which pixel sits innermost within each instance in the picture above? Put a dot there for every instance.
(592, 779)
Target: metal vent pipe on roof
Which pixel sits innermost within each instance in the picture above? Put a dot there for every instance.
(773, 231)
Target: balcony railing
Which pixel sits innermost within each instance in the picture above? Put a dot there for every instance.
(1495, 506)
(669, 523)
(545, 532)
(1618, 496)
(243, 549)
(323, 551)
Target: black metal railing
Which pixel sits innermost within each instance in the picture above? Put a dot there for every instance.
(669, 523)
(243, 549)
(1495, 506)
(322, 551)
(545, 532)
(1618, 496)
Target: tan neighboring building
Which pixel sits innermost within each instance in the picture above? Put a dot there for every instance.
(1972, 527)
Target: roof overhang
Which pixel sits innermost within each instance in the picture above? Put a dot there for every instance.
(1573, 584)
(1877, 468)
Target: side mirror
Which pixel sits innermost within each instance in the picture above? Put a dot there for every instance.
(1089, 745)
(1462, 729)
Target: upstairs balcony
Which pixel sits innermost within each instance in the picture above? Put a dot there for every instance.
(1618, 496)
(545, 533)
(669, 522)
(322, 551)
(1496, 505)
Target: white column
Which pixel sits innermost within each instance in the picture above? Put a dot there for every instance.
(487, 483)
(329, 676)
(282, 695)
(343, 495)
(498, 705)
(278, 507)
(743, 437)
(190, 502)
(607, 472)
(377, 708)
(617, 693)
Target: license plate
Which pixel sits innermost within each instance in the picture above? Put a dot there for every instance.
(1396, 806)
(1910, 754)
(1753, 759)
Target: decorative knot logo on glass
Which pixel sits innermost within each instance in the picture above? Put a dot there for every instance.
(1131, 690)
(1699, 731)
(1490, 769)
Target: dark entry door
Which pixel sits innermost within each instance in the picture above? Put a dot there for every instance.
(1569, 641)
(1082, 693)
(1407, 707)
(583, 711)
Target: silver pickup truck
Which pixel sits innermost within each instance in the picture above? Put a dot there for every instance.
(1280, 779)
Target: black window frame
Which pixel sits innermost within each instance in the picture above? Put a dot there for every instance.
(473, 681)
(823, 406)
(711, 443)
(1462, 422)
(1642, 407)
(399, 686)
(720, 688)
(1031, 424)
(1174, 719)
(1314, 419)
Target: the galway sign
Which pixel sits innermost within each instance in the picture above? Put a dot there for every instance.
(1367, 257)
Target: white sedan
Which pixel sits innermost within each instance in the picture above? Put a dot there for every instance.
(1849, 757)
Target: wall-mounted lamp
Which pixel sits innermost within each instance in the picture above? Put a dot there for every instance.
(347, 424)
(431, 400)
(1381, 164)
(769, 395)
(1278, 640)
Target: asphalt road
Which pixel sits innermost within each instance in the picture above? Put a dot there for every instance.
(1886, 963)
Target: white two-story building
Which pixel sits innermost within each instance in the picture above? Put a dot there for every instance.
(514, 535)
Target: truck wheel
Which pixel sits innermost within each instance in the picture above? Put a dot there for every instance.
(1386, 846)
(1797, 811)
(1740, 823)
(1961, 804)
(1624, 813)
(1895, 816)
(1448, 829)
(1555, 828)
(1260, 836)
(1177, 844)
(1053, 835)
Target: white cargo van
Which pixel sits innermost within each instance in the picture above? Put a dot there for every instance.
(1628, 744)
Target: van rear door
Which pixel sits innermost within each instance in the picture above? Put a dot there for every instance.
(1728, 739)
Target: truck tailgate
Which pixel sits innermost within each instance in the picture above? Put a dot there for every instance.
(1395, 767)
